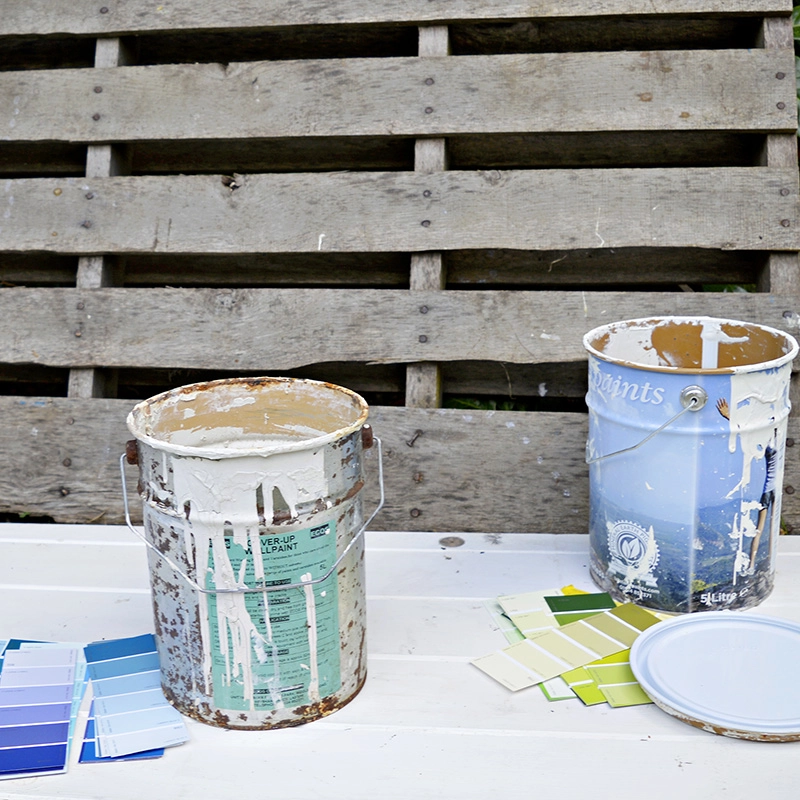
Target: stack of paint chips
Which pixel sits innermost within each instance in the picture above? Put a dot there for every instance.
(39, 700)
(130, 713)
(43, 686)
(570, 643)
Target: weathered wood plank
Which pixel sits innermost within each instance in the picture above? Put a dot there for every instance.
(630, 91)
(527, 210)
(62, 461)
(95, 272)
(428, 272)
(88, 17)
(783, 271)
(270, 329)
(463, 471)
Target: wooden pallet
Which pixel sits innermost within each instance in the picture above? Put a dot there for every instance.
(422, 201)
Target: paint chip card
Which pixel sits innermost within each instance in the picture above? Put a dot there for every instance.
(529, 611)
(37, 688)
(90, 750)
(572, 608)
(502, 622)
(131, 713)
(575, 645)
(557, 689)
(615, 679)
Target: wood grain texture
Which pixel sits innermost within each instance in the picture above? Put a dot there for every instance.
(783, 271)
(427, 272)
(630, 91)
(463, 471)
(84, 16)
(95, 272)
(270, 329)
(527, 210)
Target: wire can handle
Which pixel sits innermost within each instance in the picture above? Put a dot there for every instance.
(127, 456)
(692, 398)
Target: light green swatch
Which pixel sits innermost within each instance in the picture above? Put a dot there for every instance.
(557, 689)
(504, 624)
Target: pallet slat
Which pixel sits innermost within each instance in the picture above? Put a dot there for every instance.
(629, 91)
(287, 328)
(467, 471)
(737, 208)
(88, 17)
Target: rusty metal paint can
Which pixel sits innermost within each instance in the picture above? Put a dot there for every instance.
(252, 512)
(687, 432)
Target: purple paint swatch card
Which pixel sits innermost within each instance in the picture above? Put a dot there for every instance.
(36, 692)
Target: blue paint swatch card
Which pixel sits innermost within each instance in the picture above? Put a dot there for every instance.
(90, 751)
(131, 713)
(37, 688)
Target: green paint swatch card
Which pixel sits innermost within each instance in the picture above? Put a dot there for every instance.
(562, 649)
(529, 611)
(571, 608)
(557, 689)
(503, 622)
(584, 687)
(615, 679)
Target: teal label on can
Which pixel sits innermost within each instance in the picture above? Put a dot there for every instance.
(275, 649)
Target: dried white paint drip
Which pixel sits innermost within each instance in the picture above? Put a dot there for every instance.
(713, 336)
(637, 350)
(222, 494)
(743, 526)
(273, 683)
(757, 414)
(758, 406)
(311, 619)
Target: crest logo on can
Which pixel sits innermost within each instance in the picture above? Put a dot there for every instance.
(634, 553)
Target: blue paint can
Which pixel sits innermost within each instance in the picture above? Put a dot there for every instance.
(687, 434)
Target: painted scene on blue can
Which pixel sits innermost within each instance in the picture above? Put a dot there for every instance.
(687, 433)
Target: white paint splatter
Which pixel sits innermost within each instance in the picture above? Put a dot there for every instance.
(221, 494)
(713, 336)
(758, 408)
(311, 619)
(597, 228)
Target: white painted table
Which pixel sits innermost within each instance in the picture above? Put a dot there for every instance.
(427, 724)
